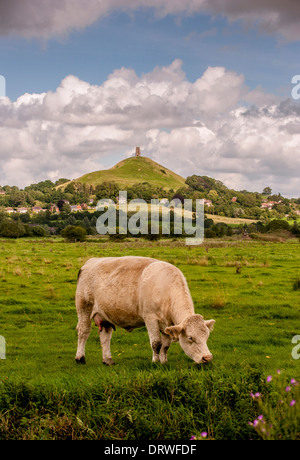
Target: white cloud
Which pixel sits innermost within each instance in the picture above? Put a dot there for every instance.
(44, 19)
(196, 127)
(245, 151)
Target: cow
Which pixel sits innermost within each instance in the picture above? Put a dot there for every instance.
(131, 292)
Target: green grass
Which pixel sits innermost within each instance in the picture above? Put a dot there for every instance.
(45, 395)
(135, 170)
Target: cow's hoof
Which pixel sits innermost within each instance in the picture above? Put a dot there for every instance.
(80, 360)
(109, 362)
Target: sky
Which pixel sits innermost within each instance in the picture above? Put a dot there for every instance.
(202, 86)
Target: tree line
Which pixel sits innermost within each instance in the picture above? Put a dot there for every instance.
(77, 226)
(220, 200)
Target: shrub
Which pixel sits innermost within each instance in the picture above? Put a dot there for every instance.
(208, 233)
(208, 223)
(38, 231)
(296, 229)
(296, 284)
(277, 224)
(12, 229)
(72, 233)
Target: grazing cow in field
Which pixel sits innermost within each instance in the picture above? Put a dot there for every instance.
(131, 292)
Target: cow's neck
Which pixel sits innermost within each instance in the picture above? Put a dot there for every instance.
(181, 301)
(179, 317)
(181, 309)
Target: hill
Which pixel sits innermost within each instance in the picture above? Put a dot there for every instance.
(132, 171)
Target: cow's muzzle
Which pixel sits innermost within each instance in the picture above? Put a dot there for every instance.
(205, 359)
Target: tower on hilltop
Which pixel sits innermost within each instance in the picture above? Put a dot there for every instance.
(138, 151)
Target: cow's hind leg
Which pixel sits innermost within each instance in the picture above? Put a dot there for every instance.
(83, 330)
(105, 335)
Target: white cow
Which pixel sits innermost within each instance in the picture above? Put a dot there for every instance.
(131, 292)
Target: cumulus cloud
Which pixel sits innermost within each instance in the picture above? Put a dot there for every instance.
(41, 18)
(206, 127)
(245, 151)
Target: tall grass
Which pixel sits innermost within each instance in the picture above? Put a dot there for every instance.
(159, 404)
(281, 419)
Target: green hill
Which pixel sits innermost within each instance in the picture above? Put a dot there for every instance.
(135, 170)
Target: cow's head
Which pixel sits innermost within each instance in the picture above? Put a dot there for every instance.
(192, 335)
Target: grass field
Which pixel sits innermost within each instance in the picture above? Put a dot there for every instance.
(44, 394)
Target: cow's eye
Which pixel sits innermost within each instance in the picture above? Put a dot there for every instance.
(190, 339)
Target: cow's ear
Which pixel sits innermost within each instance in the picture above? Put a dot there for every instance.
(210, 324)
(173, 332)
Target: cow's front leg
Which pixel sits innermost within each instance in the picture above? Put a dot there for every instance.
(166, 342)
(105, 335)
(155, 338)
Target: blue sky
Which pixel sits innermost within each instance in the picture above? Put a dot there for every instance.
(203, 87)
(142, 42)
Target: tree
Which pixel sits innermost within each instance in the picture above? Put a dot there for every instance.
(72, 233)
(12, 229)
(178, 197)
(267, 191)
(107, 190)
(38, 231)
(63, 206)
(213, 195)
(277, 224)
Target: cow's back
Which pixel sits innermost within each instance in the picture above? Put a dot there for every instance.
(110, 286)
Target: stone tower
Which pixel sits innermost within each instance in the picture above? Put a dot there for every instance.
(138, 152)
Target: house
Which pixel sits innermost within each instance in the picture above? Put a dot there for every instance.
(233, 199)
(9, 210)
(163, 201)
(22, 210)
(2, 192)
(208, 203)
(36, 209)
(75, 208)
(268, 204)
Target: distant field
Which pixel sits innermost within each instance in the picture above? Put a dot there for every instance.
(45, 395)
(230, 220)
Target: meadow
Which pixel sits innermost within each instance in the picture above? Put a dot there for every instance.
(44, 394)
